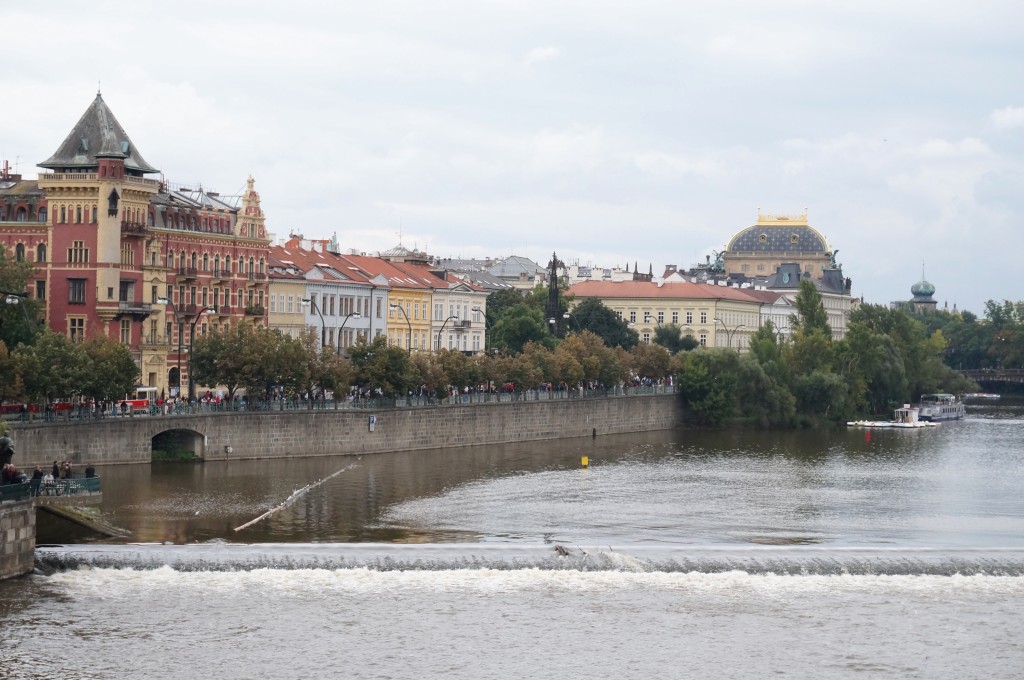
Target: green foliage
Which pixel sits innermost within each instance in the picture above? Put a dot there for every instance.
(519, 325)
(19, 318)
(108, 371)
(670, 336)
(707, 382)
(379, 366)
(594, 316)
(810, 310)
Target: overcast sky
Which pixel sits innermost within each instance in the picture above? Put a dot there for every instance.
(610, 132)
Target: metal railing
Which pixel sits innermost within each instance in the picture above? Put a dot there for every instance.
(74, 486)
(15, 492)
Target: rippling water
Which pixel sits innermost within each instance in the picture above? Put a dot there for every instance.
(703, 554)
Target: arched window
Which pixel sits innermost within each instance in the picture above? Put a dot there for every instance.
(261, 265)
(227, 264)
(206, 262)
(41, 252)
(63, 215)
(194, 260)
(181, 260)
(216, 264)
(94, 220)
(21, 215)
(78, 214)
(19, 252)
(252, 265)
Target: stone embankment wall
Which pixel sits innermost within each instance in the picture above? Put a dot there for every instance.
(17, 538)
(345, 431)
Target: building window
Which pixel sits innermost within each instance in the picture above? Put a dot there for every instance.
(291, 304)
(127, 255)
(703, 317)
(76, 328)
(632, 317)
(661, 317)
(126, 331)
(675, 317)
(646, 338)
(703, 339)
(63, 215)
(689, 317)
(76, 291)
(19, 252)
(41, 252)
(78, 253)
(40, 290)
(273, 303)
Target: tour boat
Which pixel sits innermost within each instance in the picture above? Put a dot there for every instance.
(983, 395)
(941, 406)
(904, 418)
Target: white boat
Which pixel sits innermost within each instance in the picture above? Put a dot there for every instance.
(983, 395)
(941, 406)
(906, 418)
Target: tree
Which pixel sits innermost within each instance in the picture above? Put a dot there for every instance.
(19, 317)
(52, 368)
(109, 372)
(594, 316)
(519, 325)
(670, 336)
(810, 311)
(379, 366)
(650, 361)
(706, 382)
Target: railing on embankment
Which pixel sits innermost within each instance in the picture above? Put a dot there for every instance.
(385, 427)
(996, 375)
(70, 489)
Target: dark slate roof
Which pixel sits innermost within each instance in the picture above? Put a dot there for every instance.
(782, 238)
(97, 134)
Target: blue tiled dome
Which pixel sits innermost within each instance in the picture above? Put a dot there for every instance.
(772, 238)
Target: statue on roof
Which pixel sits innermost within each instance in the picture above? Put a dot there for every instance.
(719, 264)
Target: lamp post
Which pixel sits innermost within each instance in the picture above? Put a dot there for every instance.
(408, 338)
(570, 315)
(352, 315)
(323, 324)
(729, 333)
(454, 316)
(484, 314)
(191, 345)
(177, 321)
(15, 299)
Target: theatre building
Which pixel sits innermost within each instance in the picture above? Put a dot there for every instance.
(120, 251)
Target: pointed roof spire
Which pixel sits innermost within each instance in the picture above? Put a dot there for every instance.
(97, 135)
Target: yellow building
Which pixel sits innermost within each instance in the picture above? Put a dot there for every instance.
(716, 316)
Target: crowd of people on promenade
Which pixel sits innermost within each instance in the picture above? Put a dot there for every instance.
(60, 470)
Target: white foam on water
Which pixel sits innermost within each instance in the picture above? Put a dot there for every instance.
(106, 583)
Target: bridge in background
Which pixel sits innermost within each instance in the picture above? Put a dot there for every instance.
(996, 375)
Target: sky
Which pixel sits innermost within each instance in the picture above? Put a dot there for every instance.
(612, 133)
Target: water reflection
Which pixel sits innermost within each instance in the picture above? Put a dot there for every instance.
(950, 486)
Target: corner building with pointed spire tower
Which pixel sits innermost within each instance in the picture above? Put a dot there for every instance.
(119, 252)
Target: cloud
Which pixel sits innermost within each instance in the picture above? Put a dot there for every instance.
(541, 54)
(1008, 117)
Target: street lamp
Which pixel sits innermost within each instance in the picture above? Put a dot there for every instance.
(323, 324)
(352, 315)
(569, 315)
(15, 299)
(729, 333)
(454, 316)
(484, 314)
(408, 338)
(191, 345)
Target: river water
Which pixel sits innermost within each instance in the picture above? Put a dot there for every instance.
(740, 554)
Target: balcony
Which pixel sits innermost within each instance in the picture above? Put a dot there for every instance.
(221, 274)
(188, 310)
(188, 272)
(133, 228)
(255, 279)
(137, 310)
(155, 341)
(224, 310)
(254, 310)
(464, 324)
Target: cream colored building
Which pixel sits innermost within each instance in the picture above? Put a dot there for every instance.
(775, 240)
(716, 316)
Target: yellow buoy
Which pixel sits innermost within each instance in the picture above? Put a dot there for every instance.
(585, 461)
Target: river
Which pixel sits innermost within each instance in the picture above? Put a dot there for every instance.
(741, 554)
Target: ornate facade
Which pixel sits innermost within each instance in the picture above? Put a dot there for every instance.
(119, 253)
